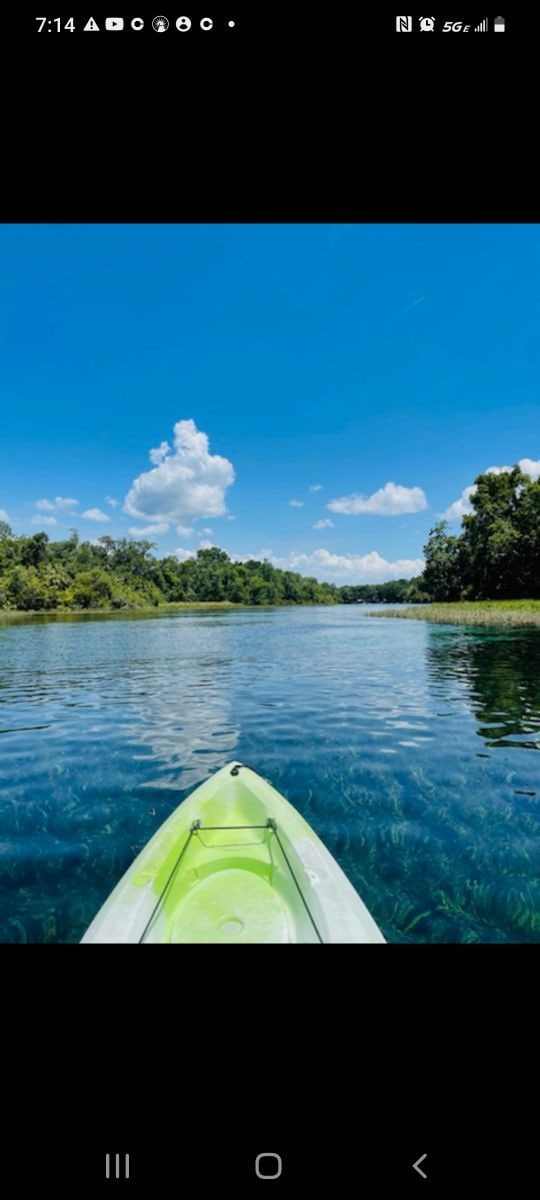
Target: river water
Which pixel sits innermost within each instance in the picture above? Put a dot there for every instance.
(411, 748)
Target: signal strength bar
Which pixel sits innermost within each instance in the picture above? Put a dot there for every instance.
(482, 27)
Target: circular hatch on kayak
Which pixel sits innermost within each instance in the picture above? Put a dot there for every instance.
(232, 905)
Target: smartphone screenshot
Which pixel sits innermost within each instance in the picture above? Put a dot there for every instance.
(269, 603)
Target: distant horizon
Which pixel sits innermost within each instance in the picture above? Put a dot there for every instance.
(315, 395)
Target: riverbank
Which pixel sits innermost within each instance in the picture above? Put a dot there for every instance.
(19, 614)
(469, 612)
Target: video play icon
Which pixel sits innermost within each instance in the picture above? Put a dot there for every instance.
(113, 23)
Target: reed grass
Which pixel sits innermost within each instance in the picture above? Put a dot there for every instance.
(471, 612)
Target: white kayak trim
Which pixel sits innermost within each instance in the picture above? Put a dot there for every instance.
(182, 887)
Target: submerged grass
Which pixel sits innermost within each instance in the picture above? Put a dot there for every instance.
(471, 612)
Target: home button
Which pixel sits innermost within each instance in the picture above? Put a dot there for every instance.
(268, 1166)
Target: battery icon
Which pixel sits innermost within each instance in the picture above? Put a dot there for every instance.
(499, 25)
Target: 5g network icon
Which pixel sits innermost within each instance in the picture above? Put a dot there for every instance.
(404, 24)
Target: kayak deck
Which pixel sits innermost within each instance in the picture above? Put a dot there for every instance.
(237, 863)
(234, 884)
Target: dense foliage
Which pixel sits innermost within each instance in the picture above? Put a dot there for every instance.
(496, 557)
(395, 591)
(36, 574)
(497, 554)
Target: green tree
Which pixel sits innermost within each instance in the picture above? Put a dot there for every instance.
(441, 576)
(34, 550)
(492, 541)
(24, 590)
(93, 589)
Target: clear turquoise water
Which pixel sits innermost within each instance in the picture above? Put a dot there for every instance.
(411, 748)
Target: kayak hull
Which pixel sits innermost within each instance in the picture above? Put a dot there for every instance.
(235, 863)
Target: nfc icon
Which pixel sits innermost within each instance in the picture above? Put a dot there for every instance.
(114, 1168)
(404, 24)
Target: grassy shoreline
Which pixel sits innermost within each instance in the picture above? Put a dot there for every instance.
(13, 614)
(472, 612)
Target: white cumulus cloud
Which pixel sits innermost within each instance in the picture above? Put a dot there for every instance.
(207, 530)
(315, 487)
(346, 568)
(111, 500)
(59, 503)
(296, 503)
(206, 545)
(44, 521)
(187, 481)
(462, 506)
(327, 523)
(185, 530)
(530, 466)
(143, 530)
(3, 515)
(95, 514)
(160, 453)
(182, 555)
(392, 500)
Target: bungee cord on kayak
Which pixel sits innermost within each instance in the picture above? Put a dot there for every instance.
(197, 829)
(235, 862)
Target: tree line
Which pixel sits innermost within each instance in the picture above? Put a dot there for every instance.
(120, 573)
(496, 556)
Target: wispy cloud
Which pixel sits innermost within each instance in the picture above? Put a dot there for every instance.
(44, 521)
(296, 503)
(60, 502)
(148, 530)
(409, 306)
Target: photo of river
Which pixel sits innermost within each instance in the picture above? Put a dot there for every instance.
(411, 748)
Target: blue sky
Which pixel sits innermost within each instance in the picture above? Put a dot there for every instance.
(387, 364)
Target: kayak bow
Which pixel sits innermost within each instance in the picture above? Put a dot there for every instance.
(235, 862)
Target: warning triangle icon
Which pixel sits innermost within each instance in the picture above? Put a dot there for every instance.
(91, 26)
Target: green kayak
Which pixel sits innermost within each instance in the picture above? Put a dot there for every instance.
(234, 863)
